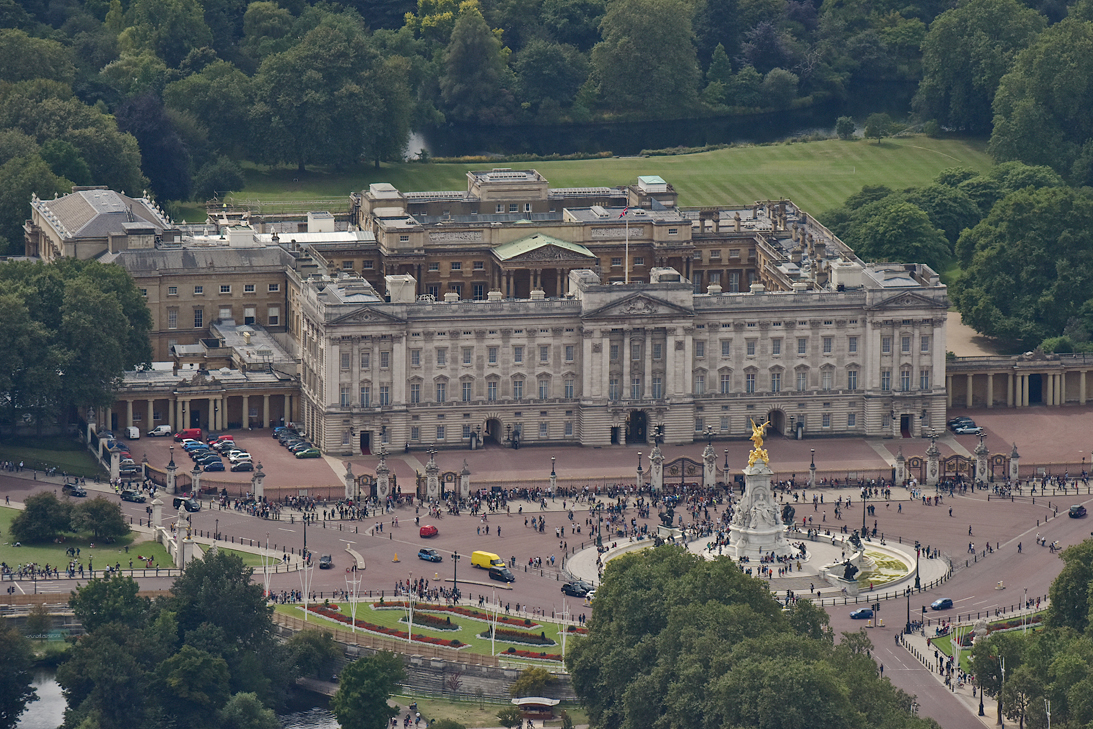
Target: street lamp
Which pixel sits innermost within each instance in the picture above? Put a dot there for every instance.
(864, 500)
(455, 575)
(726, 463)
(216, 536)
(552, 466)
(907, 593)
(812, 464)
(639, 470)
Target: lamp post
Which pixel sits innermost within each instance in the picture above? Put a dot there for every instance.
(907, 594)
(864, 501)
(455, 574)
(639, 471)
(726, 463)
(552, 473)
(216, 536)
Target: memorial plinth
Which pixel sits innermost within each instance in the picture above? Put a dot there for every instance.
(756, 529)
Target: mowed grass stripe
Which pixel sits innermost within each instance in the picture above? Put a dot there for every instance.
(815, 175)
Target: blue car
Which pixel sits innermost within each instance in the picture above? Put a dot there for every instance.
(429, 555)
(862, 614)
(943, 604)
(214, 466)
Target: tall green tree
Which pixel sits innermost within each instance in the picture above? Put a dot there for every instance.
(363, 689)
(220, 96)
(16, 691)
(43, 517)
(646, 62)
(964, 56)
(894, 230)
(169, 28)
(20, 178)
(1071, 594)
(477, 83)
(101, 517)
(23, 58)
(109, 600)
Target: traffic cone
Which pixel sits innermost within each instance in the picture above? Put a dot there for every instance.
(396, 557)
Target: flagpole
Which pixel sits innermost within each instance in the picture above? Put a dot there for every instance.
(627, 245)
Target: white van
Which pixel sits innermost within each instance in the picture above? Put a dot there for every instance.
(132, 433)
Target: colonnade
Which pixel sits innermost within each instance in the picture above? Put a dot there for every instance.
(1053, 388)
(215, 416)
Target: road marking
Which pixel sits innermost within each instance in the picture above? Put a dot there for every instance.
(287, 530)
(980, 602)
(347, 541)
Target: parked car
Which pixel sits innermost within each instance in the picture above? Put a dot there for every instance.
(210, 457)
(194, 433)
(73, 489)
(159, 430)
(428, 531)
(187, 502)
(130, 471)
(242, 466)
(943, 603)
(133, 495)
(577, 588)
(1077, 512)
(132, 433)
(235, 456)
(326, 562)
(213, 466)
(862, 614)
(501, 574)
(429, 555)
(302, 445)
(960, 420)
(308, 453)
(968, 429)
(215, 437)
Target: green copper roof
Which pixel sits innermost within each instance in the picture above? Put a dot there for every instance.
(507, 251)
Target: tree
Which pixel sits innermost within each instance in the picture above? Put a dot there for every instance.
(105, 680)
(363, 689)
(220, 96)
(245, 711)
(575, 22)
(531, 682)
(510, 716)
(646, 61)
(66, 162)
(16, 659)
(23, 58)
(313, 650)
(169, 28)
(547, 70)
(892, 230)
(1070, 594)
(218, 177)
(20, 178)
(109, 600)
(1029, 259)
(948, 208)
(779, 88)
(845, 127)
(476, 82)
(43, 517)
(218, 590)
(964, 56)
(878, 126)
(164, 157)
(100, 517)
(196, 686)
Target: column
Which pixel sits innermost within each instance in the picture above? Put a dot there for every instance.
(265, 411)
(990, 389)
(246, 412)
(669, 370)
(949, 390)
(625, 353)
(290, 414)
(398, 370)
(1048, 388)
(968, 395)
(605, 363)
(647, 375)
(171, 407)
(128, 413)
(1009, 390)
(151, 414)
(1024, 390)
(179, 407)
(1081, 387)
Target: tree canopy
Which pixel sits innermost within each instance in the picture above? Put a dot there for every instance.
(363, 689)
(16, 691)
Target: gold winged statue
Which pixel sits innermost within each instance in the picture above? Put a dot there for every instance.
(758, 453)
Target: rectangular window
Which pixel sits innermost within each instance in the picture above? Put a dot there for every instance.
(466, 391)
(639, 260)
(199, 318)
(468, 355)
(415, 357)
(441, 392)
(441, 357)
(491, 391)
(726, 347)
(415, 433)
(367, 265)
(802, 345)
(172, 291)
(851, 420)
(457, 265)
(715, 255)
(432, 290)
(569, 389)
(544, 389)
(478, 292)
(726, 383)
(851, 379)
(366, 360)
(514, 207)
(734, 282)
(700, 349)
(673, 231)
(385, 360)
(415, 393)
(827, 345)
(366, 396)
(826, 379)
(570, 351)
(569, 428)
(440, 432)
(614, 352)
(658, 388)
(434, 266)
(544, 353)
(479, 265)
(346, 359)
(826, 419)
(248, 315)
(249, 288)
(172, 318)
(518, 354)
(750, 347)
(385, 395)
(775, 381)
(852, 345)
(616, 262)
(749, 382)
(344, 394)
(492, 355)
(466, 431)
(700, 424)
(199, 290)
(700, 384)
(517, 389)
(886, 345)
(274, 288)
(724, 423)
(225, 288)
(886, 380)
(544, 430)
(776, 347)
(658, 351)
(905, 345)
(457, 289)
(613, 388)
(802, 381)
(225, 312)
(925, 344)
(924, 380)
(635, 388)
(905, 380)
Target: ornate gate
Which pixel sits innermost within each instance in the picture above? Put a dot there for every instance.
(449, 483)
(955, 465)
(999, 466)
(916, 468)
(683, 471)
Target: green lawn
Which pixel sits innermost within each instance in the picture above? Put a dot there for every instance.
(65, 454)
(250, 559)
(472, 714)
(468, 632)
(815, 175)
(102, 554)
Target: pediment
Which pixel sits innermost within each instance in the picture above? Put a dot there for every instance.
(639, 305)
(366, 315)
(908, 300)
(549, 253)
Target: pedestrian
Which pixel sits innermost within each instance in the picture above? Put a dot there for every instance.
(969, 530)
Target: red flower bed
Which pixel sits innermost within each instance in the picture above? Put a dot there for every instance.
(532, 654)
(518, 636)
(458, 610)
(334, 615)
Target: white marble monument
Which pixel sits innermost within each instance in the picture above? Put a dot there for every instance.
(756, 529)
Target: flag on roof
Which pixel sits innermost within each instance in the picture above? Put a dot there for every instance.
(625, 210)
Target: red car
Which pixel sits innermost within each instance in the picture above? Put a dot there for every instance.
(429, 531)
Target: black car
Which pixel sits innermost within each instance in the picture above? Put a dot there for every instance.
(501, 574)
(133, 495)
(959, 421)
(577, 588)
(243, 466)
(1077, 512)
(326, 562)
(73, 489)
(187, 502)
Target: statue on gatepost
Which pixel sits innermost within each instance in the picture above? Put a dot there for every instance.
(432, 478)
(901, 468)
(350, 483)
(383, 478)
(465, 481)
(933, 461)
(656, 469)
(709, 467)
(258, 481)
(1015, 464)
(981, 453)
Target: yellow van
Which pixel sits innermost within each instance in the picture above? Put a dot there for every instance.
(485, 560)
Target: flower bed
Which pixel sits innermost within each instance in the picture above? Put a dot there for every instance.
(532, 654)
(518, 636)
(459, 610)
(1032, 621)
(393, 632)
(432, 621)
